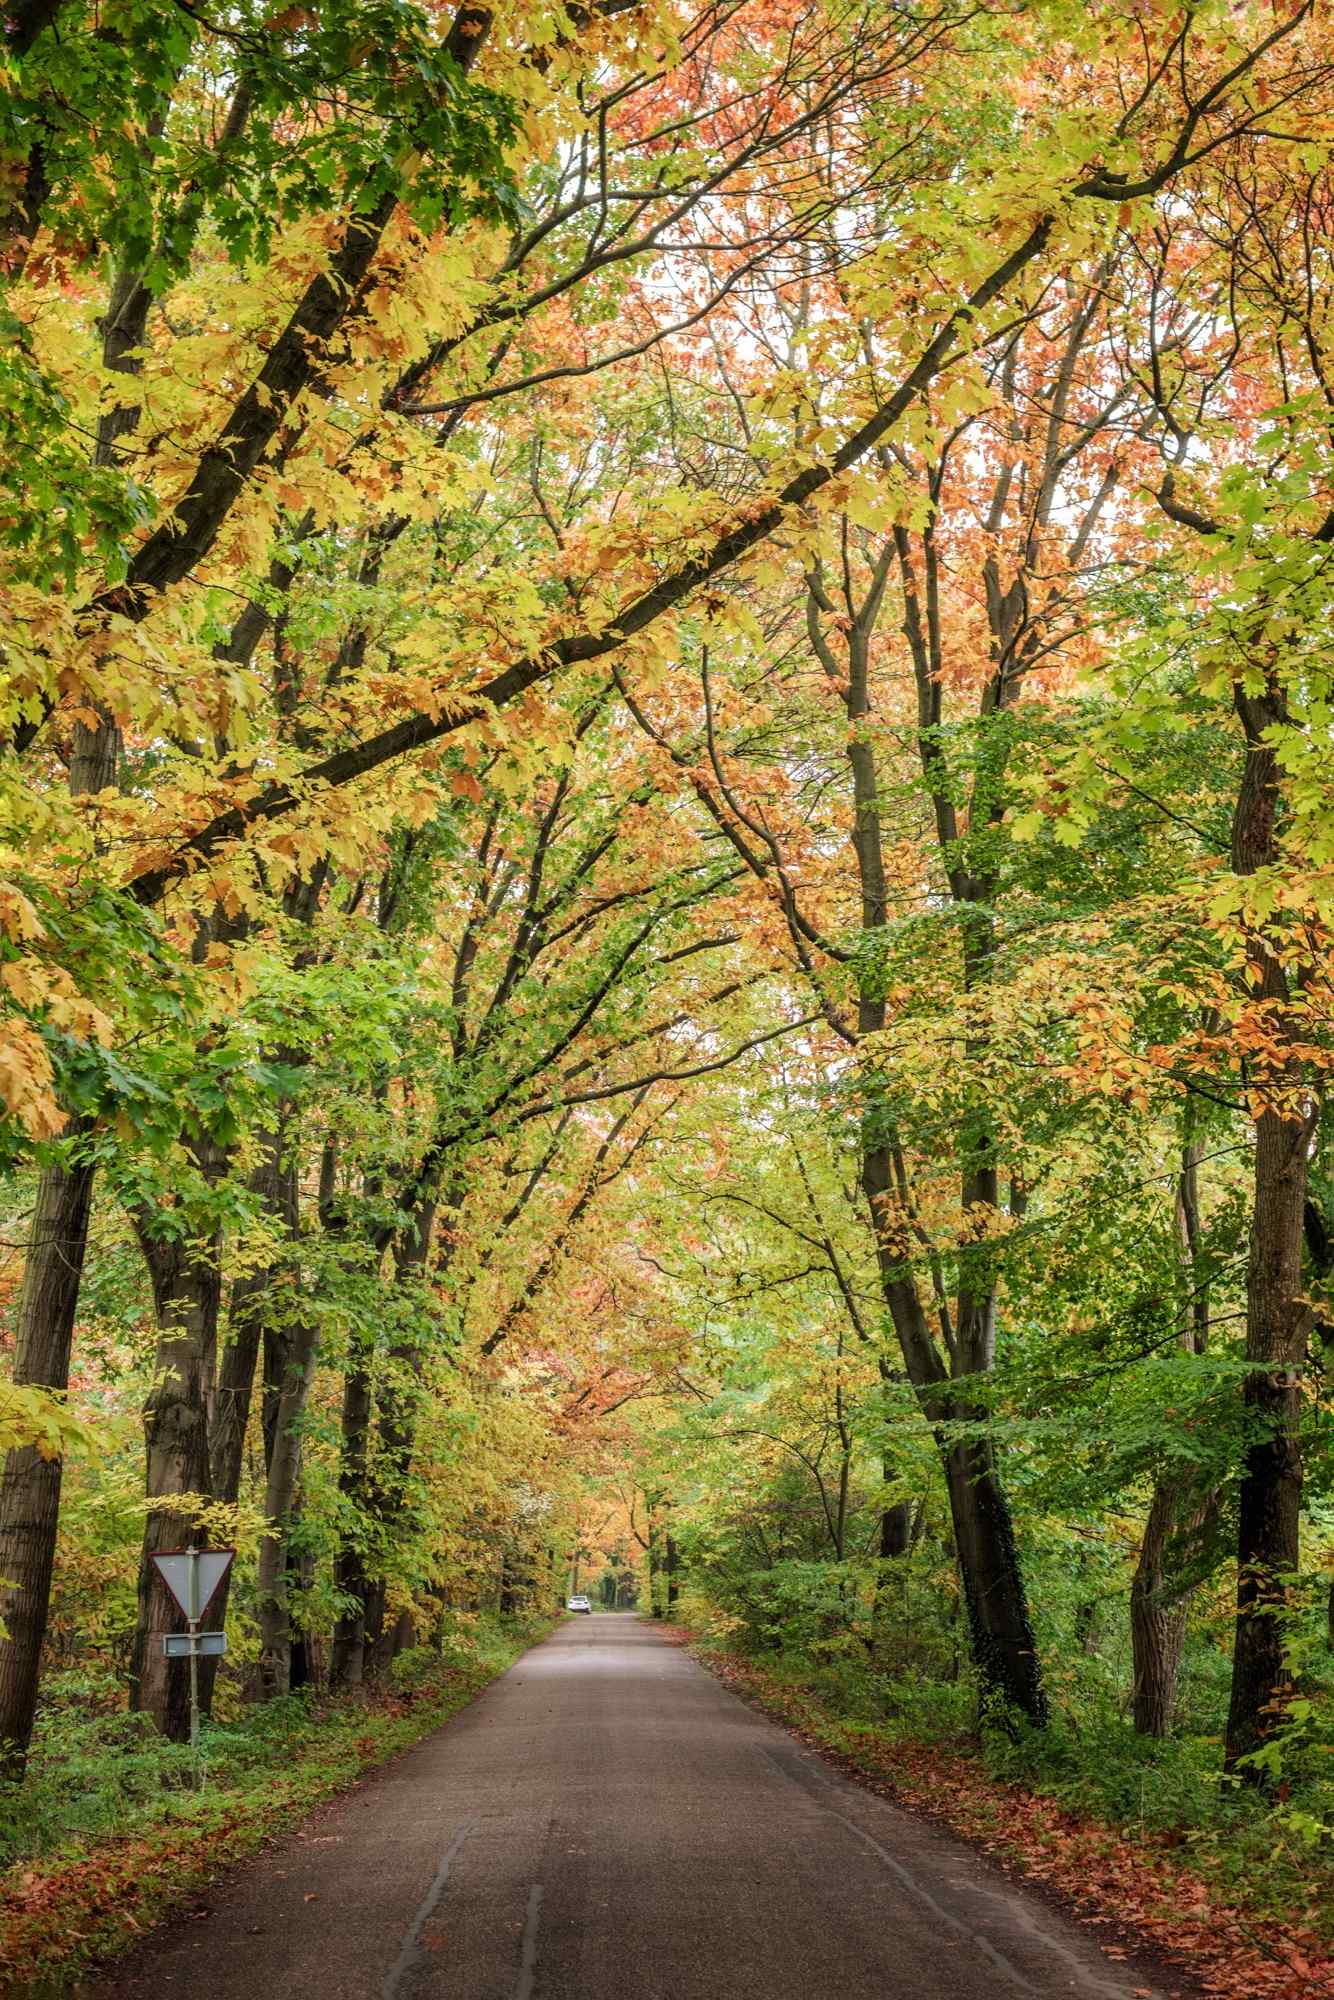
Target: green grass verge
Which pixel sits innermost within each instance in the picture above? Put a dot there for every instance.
(109, 1833)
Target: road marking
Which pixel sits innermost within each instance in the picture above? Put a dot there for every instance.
(814, 1781)
(909, 1881)
(1112, 1987)
(528, 1956)
(410, 1957)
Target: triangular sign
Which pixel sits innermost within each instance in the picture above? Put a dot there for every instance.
(193, 1575)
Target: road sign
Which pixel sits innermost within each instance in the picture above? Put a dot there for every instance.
(194, 1645)
(193, 1575)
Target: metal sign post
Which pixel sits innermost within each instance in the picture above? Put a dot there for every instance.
(194, 1697)
(192, 1576)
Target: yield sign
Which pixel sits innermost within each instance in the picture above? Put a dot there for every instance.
(192, 1576)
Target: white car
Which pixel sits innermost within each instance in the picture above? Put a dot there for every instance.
(577, 1604)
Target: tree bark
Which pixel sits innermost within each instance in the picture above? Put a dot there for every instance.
(1320, 1250)
(654, 1557)
(275, 1184)
(1269, 1502)
(30, 1496)
(379, 1636)
(1157, 1622)
(48, 1302)
(230, 1416)
(301, 1349)
(1278, 1316)
(348, 1661)
(1158, 1603)
(896, 1518)
(1004, 1649)
(895, 1525)
(187, 1288)
(300, 1577)
(1003, 1646)
(398, 1400)
(291, 1352)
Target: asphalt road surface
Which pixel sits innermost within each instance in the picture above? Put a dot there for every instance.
(607, 1823)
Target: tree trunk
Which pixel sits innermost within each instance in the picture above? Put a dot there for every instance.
(378, 1634)
(1003, 1647)
(372, 1494)
(840, 1528)
(300, 1577)
(251, 1301)
(1157, 1621)
(348, 1662)
(30, 1496)
(1159, 1604)
(1269, 1509)
(1278, 1316)
(1004, 1650)
(896, 1530)
(274, 1182)
(895, 1524)
(654, 1559)
(187, 1285)
(301, 1348)
(1320, 1249)
(895, 1519)
(1157, 1608)
(52, 1274)
(397, 1403)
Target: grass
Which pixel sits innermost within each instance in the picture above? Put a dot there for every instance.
(110, 1833)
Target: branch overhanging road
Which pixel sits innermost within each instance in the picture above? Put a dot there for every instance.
(607, 1823)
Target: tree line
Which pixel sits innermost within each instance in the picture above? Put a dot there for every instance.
(584, 582)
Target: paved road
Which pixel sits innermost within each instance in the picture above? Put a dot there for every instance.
(607, 1823)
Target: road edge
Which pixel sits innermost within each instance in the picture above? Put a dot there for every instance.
(1210, 1949)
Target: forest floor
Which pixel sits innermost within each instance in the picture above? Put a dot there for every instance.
(111, 1833)
(1144, 1884)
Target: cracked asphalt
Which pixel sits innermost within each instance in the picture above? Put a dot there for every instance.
(606, 1822)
